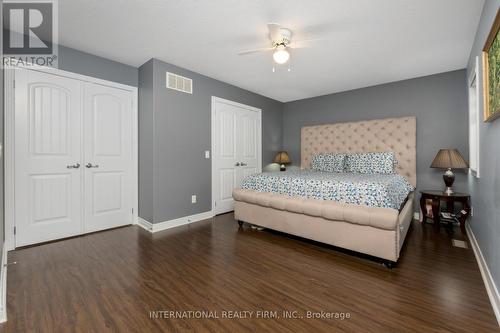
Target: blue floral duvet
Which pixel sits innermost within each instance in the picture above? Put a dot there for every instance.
(373, 190)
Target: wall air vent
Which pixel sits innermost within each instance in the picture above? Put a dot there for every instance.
(179, 83)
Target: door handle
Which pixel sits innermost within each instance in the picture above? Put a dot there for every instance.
(237, 164)
(74, 166)
(90, 165)
(243, 164)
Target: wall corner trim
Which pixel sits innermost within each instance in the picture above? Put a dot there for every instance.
(155, 227)
(146, 225)
(489, 283)
(3, 286)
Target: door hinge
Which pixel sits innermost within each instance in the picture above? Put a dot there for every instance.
(215, 203)
(132, 211)
(14, 84)
(14, 230)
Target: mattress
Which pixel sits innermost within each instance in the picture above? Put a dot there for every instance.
(372, 190)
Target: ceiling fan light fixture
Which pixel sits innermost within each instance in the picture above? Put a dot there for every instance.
(281, 55)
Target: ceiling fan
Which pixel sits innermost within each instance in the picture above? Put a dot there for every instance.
(281, 42)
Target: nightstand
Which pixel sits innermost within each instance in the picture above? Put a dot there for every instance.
(439, 196)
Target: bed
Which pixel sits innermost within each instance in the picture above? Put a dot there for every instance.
(314, 205)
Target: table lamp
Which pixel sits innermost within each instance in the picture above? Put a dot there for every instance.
(282, 158)
(449, 159)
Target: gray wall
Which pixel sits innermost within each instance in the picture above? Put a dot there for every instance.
(88, 64)
(181, 134)
(83, 63)
(485, 191)
(438, 101)
(146, 141)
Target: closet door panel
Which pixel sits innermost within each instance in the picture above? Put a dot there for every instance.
(236, 152)
(48, 176)
(108, 157)
(226, 156)
(248, 143)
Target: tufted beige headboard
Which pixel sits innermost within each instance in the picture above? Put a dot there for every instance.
(398, 135)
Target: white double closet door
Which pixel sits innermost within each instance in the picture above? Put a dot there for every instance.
(236, 149)
(73, 157)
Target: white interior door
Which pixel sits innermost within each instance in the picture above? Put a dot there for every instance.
(249, 145)
(73, 156)
(236, 149)
(48, 172)
(108, 157)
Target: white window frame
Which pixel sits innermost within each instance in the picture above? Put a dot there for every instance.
(474, 120)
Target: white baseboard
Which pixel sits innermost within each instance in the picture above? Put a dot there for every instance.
(145, 224)
(3, 286)
(155, 227)
(489, 283)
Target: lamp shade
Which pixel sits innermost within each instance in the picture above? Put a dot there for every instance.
(449, 159)
(282, 158)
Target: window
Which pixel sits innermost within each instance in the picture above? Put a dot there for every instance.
(474, 122)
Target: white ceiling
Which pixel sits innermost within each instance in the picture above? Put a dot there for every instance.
(366, 42)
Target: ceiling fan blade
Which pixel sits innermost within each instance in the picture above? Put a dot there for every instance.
(274, 31)
(304, 43)
(263, 49)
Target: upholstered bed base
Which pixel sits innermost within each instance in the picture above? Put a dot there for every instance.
(379, 232)
(374, 241)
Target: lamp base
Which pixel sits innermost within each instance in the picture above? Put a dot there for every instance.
(282, 167)
(449, 179)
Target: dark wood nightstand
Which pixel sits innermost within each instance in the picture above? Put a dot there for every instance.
(450, 199)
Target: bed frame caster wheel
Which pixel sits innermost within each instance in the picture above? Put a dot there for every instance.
(389, 264)
(240, 223)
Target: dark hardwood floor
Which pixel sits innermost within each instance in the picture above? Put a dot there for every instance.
(110, 281)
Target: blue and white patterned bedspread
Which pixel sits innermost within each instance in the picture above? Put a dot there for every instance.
(373, 190)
